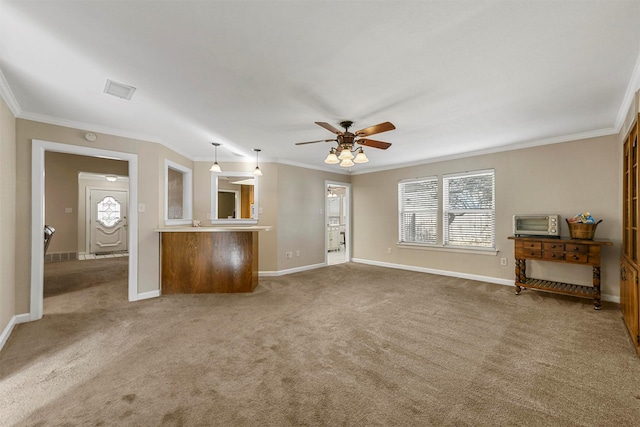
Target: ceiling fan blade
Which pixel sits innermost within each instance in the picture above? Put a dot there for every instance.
(379, 128)
(330, 128)
(313, 142)
(374, 144)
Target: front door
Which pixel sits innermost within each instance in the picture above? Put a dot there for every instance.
(108, 220)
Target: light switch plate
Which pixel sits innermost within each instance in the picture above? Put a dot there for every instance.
(141, 207)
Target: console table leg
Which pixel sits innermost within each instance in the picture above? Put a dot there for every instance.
(596, 288)
(521, 267)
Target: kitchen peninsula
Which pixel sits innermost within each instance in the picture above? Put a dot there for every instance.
(209, 259)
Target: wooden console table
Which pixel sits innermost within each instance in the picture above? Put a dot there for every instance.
(565, 250)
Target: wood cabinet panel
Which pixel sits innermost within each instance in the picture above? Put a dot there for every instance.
(629, 293)
(220, 262)
(629, 299)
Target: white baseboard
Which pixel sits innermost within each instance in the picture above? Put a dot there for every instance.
(496, 280)
(17, 319)
(290, 271)
(147, 295)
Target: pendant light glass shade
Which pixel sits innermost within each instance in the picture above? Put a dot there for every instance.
(345, 155)
(332, 159)
(346, 163)
(257, 171)
(361, 157)
(215, 167)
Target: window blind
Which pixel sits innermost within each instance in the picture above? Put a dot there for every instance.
(469, 209)
(418, 210)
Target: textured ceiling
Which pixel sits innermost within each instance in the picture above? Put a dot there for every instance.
(454, 77)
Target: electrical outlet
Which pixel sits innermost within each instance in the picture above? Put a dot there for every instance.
(68, 210)
(503, 261)
(388, 250)
(288, 255)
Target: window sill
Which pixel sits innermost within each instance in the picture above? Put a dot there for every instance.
(168, 222)
(476, 251)
(234, 221)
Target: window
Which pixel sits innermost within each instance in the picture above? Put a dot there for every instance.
(178, 190)
(108, 211)
(468, 209)
(418, 210)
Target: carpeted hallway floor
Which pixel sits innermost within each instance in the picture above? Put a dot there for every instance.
(350, 345)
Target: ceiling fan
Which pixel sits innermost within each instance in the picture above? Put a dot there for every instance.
(346, 140)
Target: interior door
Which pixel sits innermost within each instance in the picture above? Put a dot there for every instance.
(108, 220)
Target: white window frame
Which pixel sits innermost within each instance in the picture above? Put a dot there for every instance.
(432, 232)
(187, 194)
(486, 244)
(214, 200)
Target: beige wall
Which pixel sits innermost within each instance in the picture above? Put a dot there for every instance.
(301, 205)
(61, 192)
(150, 176)
(564, 179)
(292, 202)
(561, 178)
(7, 215)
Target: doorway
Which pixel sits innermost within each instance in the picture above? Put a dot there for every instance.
(38, 150)
(338, 222)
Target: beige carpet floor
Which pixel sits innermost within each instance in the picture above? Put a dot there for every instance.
(346, 345)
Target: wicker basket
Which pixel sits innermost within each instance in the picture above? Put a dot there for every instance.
(579, 230)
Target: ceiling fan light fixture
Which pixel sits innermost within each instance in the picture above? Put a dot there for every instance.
(361, 157)
(346, 163)
(345, 154)
(332, 159)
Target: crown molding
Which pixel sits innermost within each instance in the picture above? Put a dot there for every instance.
(103, 130)
(9, 98)
(629, 96)
(510, 147)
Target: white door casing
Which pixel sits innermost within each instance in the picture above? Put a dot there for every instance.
(38, 148)
(107, 220)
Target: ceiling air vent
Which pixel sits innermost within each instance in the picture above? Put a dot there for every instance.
(118, 89)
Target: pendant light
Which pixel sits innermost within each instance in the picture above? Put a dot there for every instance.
(257, 171)
(216, 167)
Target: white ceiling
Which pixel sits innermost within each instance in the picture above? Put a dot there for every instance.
(454, 77)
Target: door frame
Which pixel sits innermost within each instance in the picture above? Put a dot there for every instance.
(347, 225)
(89, 213)
(38, 149)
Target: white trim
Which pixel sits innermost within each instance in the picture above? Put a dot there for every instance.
(148, 295)
(494, 150)
(213, 215)
(457, 249)
(15, 320)
(290, 270)
(497, 280)
(347, 214)
(629, 96)
(38, 148)
(488, 279)
(187, 194)
(8, 96)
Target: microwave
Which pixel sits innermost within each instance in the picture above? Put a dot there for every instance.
(536, 225)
